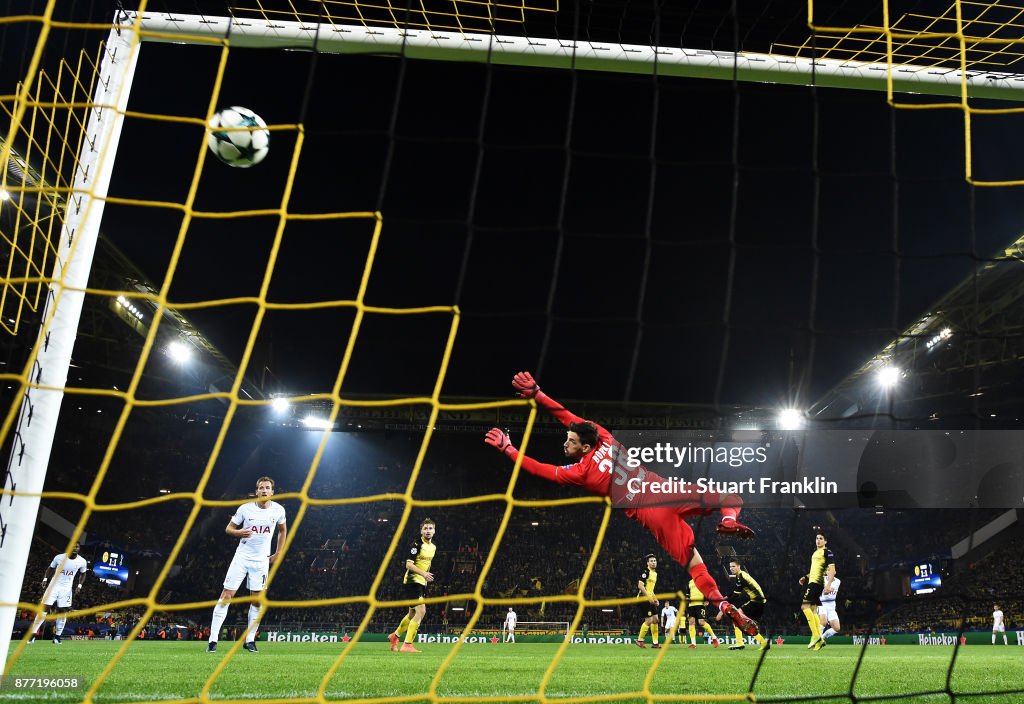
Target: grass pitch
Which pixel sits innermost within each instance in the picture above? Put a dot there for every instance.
(164, 671)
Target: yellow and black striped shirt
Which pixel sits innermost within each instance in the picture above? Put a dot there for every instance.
(821, 560)
(696, 596)
(420, 554)
(649, 579)
(746, 586)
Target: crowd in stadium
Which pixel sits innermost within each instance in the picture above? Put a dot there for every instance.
(337, 549)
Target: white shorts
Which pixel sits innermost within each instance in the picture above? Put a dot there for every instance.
(995, 629)
(828, 610)
(60, 597)
(255, 571)
(510, 627)
(669, 625)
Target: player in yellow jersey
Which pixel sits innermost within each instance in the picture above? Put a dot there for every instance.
(649, 609)
(696, 610)
(417, 577)
(818, 578)
(748, 593)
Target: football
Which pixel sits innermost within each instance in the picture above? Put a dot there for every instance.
(238, 137)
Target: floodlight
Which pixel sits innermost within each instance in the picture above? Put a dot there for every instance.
(790, 419)
(889, 376)
(315, 423)
(179, 352)
(280, 404)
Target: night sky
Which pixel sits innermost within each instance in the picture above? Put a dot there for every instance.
(628, 238)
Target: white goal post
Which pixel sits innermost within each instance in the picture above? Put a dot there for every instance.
(583, 55)
(50, 359)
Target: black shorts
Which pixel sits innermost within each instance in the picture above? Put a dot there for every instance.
(812, 594)
(698, 611)
(646, 610)
(753, 609)
(413, 590)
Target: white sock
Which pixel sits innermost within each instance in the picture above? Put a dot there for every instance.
(828, 634)
(220, 612)
(60, 625)
(42, 617)
(254, 612)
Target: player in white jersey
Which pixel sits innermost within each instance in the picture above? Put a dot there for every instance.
(70, 570)
(510, 626)
(998, 624)
(827, 611)
(669, 614)
(255, 524)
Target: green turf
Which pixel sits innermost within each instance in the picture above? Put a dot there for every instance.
(161, 671)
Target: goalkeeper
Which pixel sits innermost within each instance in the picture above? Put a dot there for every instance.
(593, 451)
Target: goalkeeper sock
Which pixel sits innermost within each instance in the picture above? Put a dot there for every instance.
(643, 631)
(706, 583)
(813, 623)
(707, 627)
(403, 626)
(693, 634)
(42, 617)
(410, 634)
(60, 625)
(654, 633)
(220, 612)
(254, 612)
(828, 634)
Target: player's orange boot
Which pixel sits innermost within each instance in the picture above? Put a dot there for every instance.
(730, 526)
(691, 646)
(393, 637)
(714, 643)
(656, 646)
(640, 643)
(742, 621)
(408, 648)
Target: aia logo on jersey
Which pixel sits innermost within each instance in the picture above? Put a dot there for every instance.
(260, 529)
(68, 573)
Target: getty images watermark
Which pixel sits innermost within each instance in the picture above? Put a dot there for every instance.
(817, 468)
(640, 479)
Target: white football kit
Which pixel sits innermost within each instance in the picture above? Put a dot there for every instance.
(59, 591)
(669, 615)
(251, 560)
(997, 621)
(828, 601)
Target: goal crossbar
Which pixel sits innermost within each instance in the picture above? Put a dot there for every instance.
(583, 55)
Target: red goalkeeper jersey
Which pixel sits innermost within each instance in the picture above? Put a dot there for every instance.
(594, 471)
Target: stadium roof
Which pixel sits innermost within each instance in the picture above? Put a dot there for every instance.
(961, 358)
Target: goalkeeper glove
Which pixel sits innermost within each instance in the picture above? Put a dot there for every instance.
(498, 439)
(525, 385)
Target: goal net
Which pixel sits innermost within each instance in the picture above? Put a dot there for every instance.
(687, 219)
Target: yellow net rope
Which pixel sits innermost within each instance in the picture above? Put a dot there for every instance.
(46, 115)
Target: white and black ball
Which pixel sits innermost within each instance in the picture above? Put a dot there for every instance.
(238, 137)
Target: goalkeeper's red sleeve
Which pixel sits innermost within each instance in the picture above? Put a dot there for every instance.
(563, 414)
(539, 469)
